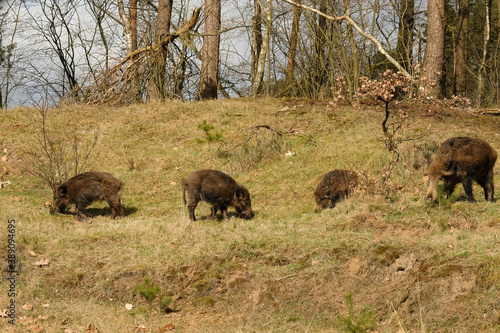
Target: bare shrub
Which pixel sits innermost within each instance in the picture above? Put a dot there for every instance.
(255, 144)
(56, 152)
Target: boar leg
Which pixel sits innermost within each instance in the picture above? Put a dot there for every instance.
(116, 207)
(213, 211)
(223, 209)
(467, 183)
(449, 186)
(79, 213)
(489, 189)
(194, 197)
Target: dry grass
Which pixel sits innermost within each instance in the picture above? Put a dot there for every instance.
(411, 263)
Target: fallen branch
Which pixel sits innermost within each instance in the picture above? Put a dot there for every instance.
(170, 38)
(124, 82)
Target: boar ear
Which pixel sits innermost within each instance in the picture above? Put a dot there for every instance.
(238, 193)
(62, 190)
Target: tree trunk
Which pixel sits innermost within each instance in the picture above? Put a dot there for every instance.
(292, 51)
(133, 23)
(404, 48)
(129, 34)
(433, 66)
(462, 45)
(261, 62)
(157, 85)
(353, 76)
(256, 37)
(318, 65)
(209, 77)
(482, 68)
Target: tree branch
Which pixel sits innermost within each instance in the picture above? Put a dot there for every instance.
(361, 31)
(170, 38)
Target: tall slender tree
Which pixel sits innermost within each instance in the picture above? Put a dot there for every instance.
(462, 45)
(209, 76)
(256, 44)
(294, 38)
(433, 66)
(261, 61)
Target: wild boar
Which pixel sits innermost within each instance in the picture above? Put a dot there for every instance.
(462, 160)
(334, 186)
(86, 188)
(218, 189)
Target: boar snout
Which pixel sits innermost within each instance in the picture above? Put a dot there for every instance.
(247, 214)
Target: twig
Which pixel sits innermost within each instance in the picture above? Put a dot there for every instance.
(286, 277)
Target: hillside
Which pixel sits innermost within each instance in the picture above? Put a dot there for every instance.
(383, 260)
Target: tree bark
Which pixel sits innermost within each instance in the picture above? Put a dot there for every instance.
(256, 37)
(157, 85)
(352, 79)
(318, 64)
(481, 71)
(129, 34)
(433, 66)
(404, 47)
(209, 77)
(462, 45)
(292, 51)
(261, 62)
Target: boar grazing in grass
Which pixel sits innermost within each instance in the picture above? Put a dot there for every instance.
(334, 186)
(218, 189)
(462, 160)
(85, 188)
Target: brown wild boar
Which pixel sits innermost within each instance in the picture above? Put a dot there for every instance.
(86, 188)
(334, 186)
(462, 160)
(218, 189)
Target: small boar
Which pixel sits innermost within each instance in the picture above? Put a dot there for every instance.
(218, 189)
(462, 160)
(86, 188)
(334, 186)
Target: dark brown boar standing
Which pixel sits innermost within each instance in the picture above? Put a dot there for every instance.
(334, 186)
(86, 188)
(463, 160)
(218, 189)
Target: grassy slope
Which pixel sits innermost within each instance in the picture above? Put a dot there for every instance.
(408, 264)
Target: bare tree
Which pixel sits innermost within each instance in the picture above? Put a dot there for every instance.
(209, 76)
(347, 17)
(54, 22)
(117, 86)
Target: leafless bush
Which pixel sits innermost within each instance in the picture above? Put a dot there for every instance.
(257, 143)
(56, 151)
